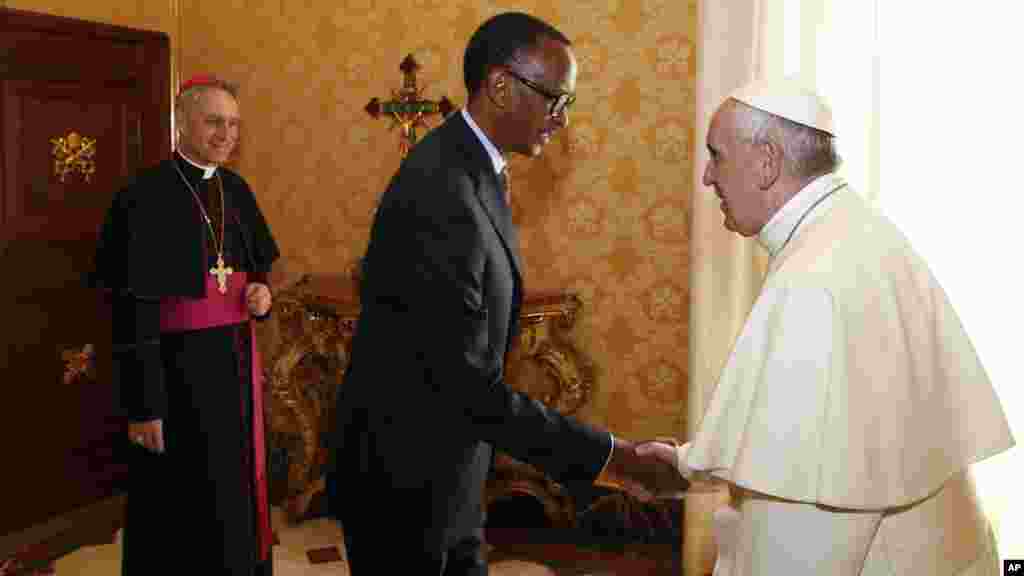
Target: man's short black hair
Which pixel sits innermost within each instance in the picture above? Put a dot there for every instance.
(498, 39)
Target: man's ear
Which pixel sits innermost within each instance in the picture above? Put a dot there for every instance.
(769, 163)
(180, 123)
(497, 86)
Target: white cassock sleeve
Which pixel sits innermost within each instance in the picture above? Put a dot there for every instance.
(770, 412)
(766, 421)
(684, 470)
(768, 537)
(700, 481)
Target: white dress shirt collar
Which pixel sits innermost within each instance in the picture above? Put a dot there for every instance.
(207, 170)
(496, 158)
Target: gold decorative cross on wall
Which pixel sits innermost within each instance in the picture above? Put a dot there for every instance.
(407, 107)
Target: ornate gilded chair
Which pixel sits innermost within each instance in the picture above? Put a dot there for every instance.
(309, 341)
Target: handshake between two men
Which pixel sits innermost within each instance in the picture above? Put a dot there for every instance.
(647, 470)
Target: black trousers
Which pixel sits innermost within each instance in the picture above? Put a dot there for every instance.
(404, 554)
(370, 525)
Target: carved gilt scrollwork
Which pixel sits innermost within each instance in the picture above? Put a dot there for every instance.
(300, 401)
(545, 339)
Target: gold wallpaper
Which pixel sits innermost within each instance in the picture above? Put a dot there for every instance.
(602, 213)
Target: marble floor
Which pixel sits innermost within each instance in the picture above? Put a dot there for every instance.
(510, 559)
(290, 558)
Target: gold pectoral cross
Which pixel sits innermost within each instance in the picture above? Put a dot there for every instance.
(221, 272)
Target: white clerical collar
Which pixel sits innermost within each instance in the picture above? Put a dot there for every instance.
(207, 170)
(496, 158)
(809, 203)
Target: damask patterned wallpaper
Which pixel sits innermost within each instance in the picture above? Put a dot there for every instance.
(602, 213)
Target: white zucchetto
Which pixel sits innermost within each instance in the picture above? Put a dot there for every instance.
(788, 98)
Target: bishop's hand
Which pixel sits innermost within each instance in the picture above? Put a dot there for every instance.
(149, 435)
(257, 297)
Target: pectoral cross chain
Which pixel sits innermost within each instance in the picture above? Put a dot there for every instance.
(220, 270)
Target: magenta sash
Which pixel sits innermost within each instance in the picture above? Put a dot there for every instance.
(216, 309)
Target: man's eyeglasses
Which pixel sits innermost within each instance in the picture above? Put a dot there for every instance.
(560, 101)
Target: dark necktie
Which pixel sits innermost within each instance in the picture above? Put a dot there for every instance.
(506, 177)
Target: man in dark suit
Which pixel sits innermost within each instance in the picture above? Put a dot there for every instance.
(424, 402)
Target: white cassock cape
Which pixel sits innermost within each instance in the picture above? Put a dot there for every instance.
(852, 386)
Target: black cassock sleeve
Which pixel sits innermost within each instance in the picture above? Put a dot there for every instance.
(137, 366)
(258, 242)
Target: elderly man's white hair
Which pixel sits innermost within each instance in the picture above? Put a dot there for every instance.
(187, 99)
(798, 120)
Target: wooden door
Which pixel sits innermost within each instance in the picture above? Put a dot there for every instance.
(82, 107)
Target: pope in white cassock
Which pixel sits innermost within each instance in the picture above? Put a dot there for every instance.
(853, 404)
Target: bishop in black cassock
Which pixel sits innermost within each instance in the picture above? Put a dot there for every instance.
(158, 247)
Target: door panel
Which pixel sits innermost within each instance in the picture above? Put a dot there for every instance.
(39, 203)
(73, 80)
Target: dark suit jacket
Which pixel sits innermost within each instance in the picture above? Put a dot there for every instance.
(424, 400)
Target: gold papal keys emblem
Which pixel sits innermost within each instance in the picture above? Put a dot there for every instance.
(73, 153)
